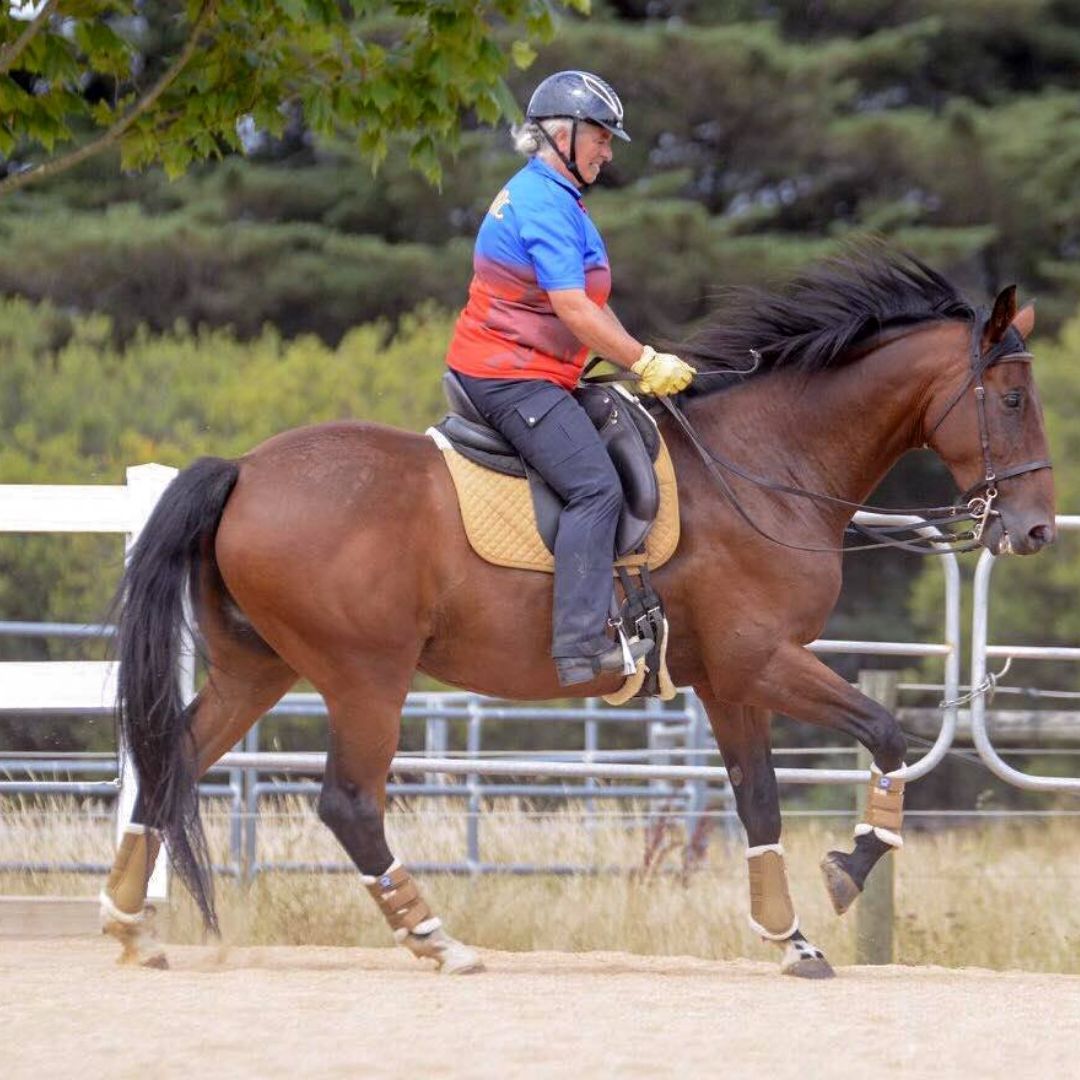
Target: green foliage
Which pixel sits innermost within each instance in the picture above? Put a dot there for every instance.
(77, 409)
(158, 269)
(757, 142)
(376, 69)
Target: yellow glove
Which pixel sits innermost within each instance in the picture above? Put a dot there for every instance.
(661, 373)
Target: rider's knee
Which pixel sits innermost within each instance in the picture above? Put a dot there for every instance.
(605, 489)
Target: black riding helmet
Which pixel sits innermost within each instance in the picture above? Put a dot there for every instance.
(574, 96)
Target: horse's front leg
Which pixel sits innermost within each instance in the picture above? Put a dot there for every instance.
(742, 733)
(796, 683)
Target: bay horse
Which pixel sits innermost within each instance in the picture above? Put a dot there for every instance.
(336, 553)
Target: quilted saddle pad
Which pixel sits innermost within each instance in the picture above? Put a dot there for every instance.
(500, 523)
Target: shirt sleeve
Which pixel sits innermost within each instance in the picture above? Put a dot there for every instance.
(554, 238)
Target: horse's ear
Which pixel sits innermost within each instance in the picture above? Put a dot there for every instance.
(1001, 317)
(1024, 321)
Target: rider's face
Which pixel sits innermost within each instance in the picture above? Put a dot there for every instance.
(593, 149)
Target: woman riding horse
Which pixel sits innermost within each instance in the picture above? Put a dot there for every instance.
(336, 553)
(537, 305)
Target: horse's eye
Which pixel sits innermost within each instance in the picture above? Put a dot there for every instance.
(1013, 399)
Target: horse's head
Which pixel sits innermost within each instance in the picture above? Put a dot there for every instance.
(988, 429)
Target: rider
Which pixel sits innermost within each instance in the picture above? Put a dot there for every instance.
(537, 306)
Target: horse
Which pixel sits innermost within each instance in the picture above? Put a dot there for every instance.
(336, 553)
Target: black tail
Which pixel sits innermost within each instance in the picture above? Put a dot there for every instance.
(155, 724)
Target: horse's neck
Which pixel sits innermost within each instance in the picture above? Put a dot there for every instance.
(838, 432)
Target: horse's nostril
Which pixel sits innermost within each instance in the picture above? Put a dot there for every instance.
(1040, 534)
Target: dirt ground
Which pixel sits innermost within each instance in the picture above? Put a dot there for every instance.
(67, 1010)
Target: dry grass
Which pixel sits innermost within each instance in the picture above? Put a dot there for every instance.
(997, 896)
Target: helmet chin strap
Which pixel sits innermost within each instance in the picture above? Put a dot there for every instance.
(571, 161)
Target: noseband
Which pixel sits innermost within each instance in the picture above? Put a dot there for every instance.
(981, 506)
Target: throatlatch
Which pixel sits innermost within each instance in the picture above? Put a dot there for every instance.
(772, 914)
(884, 808)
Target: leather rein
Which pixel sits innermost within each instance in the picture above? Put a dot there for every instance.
(971, 506)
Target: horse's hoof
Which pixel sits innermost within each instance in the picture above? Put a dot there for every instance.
(805, 961)
(449, 954)
(136, 935)
(460, 960)
(840, 885)
(138, 951)
(810, 969)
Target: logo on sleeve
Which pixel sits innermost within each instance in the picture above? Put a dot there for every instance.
(502, 200)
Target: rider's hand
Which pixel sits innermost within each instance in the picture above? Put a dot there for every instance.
(661, 373)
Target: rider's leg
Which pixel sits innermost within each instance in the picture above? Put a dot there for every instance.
(556, 438)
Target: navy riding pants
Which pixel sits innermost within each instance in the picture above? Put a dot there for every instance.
(552, 433)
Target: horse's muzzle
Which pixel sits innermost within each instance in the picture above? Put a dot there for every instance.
(1009, 535)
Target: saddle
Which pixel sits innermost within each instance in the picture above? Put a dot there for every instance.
(629, 435)
(511, 515)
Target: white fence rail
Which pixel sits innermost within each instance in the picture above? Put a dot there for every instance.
(43, 685)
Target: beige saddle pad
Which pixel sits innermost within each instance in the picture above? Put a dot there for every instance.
(501, 526)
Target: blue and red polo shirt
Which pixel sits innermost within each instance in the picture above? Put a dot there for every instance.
(535, 237)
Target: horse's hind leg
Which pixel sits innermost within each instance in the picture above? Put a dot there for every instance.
(742, 733)
(245, 681)
(365, 723)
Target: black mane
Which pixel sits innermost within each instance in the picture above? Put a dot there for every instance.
(816, 321)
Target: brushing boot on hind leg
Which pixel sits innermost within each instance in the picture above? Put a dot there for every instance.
(125, 914)
(355, 816)
(878, 833)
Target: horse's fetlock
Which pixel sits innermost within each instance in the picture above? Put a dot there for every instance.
(135, 931)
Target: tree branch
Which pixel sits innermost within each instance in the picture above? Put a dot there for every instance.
(10, 53)
(116, 132)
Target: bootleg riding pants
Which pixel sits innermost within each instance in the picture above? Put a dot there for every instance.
(552, 433)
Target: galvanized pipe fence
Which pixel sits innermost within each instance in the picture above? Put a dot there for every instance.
(678, 732)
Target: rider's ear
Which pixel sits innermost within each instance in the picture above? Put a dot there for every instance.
(1024, 321)
(1001, 317)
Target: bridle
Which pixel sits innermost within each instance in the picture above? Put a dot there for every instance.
(971, 506)
(981, 506)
